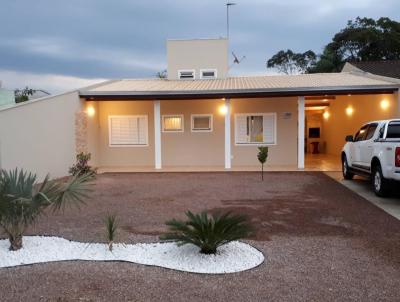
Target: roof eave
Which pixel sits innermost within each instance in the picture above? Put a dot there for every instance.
(238, 93)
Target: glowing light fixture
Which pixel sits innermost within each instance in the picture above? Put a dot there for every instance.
(223, 109)
(90, 111)
(349, 111)
(326, 115)
(385, 104)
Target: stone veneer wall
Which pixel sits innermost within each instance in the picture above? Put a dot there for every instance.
(81, 128)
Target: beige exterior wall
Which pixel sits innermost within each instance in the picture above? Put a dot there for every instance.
(39, 136)
(197, 55)
(285, 150)
(192, 149)
(98, 135)
(366, 108)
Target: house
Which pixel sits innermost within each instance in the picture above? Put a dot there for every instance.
(198, 118)
(386, 68)
(6, 96)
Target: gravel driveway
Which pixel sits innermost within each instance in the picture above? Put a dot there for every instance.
(322, 242)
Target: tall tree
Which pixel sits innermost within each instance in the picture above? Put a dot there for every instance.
(363, 39)
(289, 62)
(162, 74)
(22, 95)
(366, 39)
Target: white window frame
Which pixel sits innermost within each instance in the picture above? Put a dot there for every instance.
(193, 116)
(128, 145)
(208, 70)
(172, 131)
(180, 71)
(257, 114)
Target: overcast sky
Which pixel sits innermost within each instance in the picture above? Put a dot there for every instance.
(64, 44)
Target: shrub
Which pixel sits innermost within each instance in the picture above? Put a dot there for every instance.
(262, 158)
(23, 200)
(82, 167)
(208, 232)
(111, 230)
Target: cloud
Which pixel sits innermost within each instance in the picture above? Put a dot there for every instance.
(70, 50)
(50, 82)
(126, 39)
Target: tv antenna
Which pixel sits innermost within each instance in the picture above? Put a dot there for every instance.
(236, 59)
(228, 5)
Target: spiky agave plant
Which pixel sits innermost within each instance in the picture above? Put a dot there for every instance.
(208, 232)
(23, 200)
(111, 230)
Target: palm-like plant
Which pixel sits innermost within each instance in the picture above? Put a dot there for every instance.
(111, 230)
(23, 200)
(262, 158)
(208, 232)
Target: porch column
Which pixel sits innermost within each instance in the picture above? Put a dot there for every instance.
(398, 103)
(301, 127)
(157, 135)
(228, 134)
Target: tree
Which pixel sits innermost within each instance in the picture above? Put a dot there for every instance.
(289, 62)
(162, 74)
(262, 158)
(23, 200)
(363, 39)
(22, 95)
(366, 39)
(329, 61)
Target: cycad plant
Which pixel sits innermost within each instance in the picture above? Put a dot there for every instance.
(23, 200)
(208, 232)
(111, 230)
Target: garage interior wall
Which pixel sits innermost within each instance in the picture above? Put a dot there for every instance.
(365, 108)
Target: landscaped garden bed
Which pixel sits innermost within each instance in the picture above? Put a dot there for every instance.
(321, 241)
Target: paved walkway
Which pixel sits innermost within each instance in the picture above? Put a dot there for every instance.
(362, 187)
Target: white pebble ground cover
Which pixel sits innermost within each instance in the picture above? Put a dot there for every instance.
(233, 257)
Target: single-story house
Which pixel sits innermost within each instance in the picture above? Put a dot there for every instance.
(198, 118)
(386, 68)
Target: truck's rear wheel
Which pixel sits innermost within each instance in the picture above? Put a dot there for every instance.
(345, 169)
(380, 184)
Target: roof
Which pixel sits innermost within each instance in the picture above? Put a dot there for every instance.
(278, 85)
(388, 68)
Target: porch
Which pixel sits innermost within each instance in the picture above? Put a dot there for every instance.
(313, 162)
(303, 128)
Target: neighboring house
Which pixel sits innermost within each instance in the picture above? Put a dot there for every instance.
(197, 118)
(6, 96)
(387, 68)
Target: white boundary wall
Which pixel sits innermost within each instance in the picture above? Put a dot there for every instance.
(39, 135)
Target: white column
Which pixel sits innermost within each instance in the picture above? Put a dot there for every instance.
(157, 135)
(398, 103)
(228, 134)
(301, 126)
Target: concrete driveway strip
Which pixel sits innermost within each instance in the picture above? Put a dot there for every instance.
(362, 187)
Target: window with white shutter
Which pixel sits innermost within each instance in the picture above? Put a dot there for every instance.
(128, 130)
(255, 129)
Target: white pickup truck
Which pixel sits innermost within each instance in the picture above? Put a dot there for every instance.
(374, 152)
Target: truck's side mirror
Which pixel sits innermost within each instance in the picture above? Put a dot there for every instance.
(349, 138)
